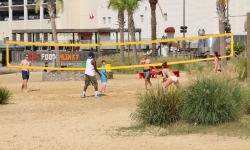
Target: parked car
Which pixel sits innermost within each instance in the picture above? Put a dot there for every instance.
(15, 18)
(37, 16)
(4, 3)
(31, 17)
(46, 16)
(17, 3)
(21, 17)
(30, 1)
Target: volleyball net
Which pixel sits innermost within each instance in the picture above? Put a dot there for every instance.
(193, 49)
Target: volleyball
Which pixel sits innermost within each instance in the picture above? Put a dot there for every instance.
(91, 16)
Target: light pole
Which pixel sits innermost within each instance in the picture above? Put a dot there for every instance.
(184, 16)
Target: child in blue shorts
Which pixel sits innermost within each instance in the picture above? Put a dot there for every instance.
(104, 78)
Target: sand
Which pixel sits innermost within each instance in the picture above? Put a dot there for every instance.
(52, 115)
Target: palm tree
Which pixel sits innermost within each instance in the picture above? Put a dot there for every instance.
(131, 6)
(153, 24)
(221, 7)
(119, 5)
(54, 7)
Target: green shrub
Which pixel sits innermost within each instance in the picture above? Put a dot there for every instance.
(238, 48)
(213, 98)
(158, 106)
(4, 95)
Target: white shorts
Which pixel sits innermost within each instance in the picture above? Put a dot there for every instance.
(104, 83)
(174, 78)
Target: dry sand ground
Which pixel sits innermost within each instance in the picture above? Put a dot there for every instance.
(52, 115)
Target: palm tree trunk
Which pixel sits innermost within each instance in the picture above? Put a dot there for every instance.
(121, 27)
(131, 28)
(222, 44)
(153, 26)
(51, 11)
(54, 33)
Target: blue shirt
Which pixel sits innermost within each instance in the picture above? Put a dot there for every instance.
(103, 76)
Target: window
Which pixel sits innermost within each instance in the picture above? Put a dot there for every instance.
(29, 37)
(37, 37)
(45, 37)
(141, 18)
(22, 37)
(165, 16)
(109, 18)
(104, 20)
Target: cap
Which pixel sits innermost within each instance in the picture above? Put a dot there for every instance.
(90, 54)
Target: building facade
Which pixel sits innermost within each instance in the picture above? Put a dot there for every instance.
(20, 14)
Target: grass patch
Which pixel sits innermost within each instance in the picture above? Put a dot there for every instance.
(240, 129)
(5, 95)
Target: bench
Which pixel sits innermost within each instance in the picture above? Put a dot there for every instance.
(153, 74)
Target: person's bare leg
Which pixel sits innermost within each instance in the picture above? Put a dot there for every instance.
(85, 88)
(101, 91)
(167, 83)
(24, 85)
(96, 88)
(146, 84)
(104, 89)
(177, 83)
(149, 82)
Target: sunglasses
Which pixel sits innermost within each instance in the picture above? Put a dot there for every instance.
(26, 56)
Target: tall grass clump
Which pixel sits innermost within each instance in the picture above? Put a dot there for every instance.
(213, 98)
(241, 63)
(4, 95)
(158, 106)
(246, 101)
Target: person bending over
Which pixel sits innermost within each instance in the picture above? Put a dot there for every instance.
(168, 76)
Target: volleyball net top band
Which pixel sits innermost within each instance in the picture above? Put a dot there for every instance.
(118, 44)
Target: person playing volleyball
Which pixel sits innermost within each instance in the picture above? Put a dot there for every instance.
(104, 77)
(146, 70)
(25, 72)
(90, 77)
(168, 76)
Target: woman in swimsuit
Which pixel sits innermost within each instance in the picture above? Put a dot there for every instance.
(168, 76)
(216, 62)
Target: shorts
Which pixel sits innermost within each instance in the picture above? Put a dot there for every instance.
(104, 83)
(174, 78)
(25, 75)
(146, 73)
(90, 80)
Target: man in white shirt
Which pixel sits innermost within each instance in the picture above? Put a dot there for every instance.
(90, 77)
